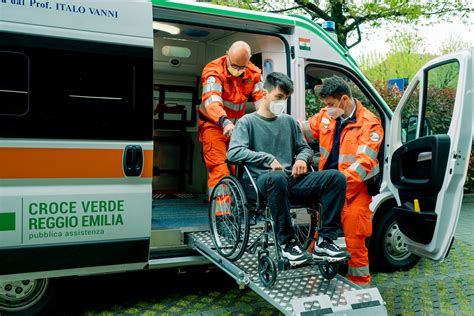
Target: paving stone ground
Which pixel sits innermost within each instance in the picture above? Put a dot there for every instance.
(430, 288)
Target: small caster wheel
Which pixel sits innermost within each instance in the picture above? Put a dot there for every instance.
(267, 271)
(328, 270)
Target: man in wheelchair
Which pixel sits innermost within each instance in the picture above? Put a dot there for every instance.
(273, 148)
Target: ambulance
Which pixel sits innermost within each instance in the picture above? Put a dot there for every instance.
(101, 169)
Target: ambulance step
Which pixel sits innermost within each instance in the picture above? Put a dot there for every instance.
(301, 291)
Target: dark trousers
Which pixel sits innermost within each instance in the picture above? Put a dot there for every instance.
(327, 187)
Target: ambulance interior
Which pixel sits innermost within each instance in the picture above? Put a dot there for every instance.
(179, 173)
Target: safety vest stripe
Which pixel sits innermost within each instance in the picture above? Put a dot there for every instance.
(67, 163)
(359, 271)
(323, 152)
(234, 106)
(258, 87)
(357, 167)
(346, 158)
(307, 131)
(375, 170)
(214, 87)
(258, 104)
(213, 98)
(368, 151)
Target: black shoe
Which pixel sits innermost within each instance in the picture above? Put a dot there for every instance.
(328, 250)
(294, 253)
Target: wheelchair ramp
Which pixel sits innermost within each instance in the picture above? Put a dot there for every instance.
(301, 291)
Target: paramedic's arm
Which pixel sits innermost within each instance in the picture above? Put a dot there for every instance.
(366, 158)
(257, 93)
(212, 106)
(310, 128)
(239, 147)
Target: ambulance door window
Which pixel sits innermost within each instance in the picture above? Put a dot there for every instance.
(14, 83)
(440, 96)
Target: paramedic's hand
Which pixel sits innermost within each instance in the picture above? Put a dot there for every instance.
(299, 168)
(275, 165)
(228, 129)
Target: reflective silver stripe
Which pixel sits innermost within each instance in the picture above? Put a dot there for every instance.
(208, 87)
(346, 158)
(234, 106)
(323, 152)
(258, 87)
(368, 151)
(357, 167)
(360, 271)
(258, 103)
(307, 131)
(213, 98)
(375, 170)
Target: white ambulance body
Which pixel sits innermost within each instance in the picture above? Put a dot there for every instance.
(100, 163)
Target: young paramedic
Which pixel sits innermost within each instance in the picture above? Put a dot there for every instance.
(277, 155)
(349, 139)
(228, 82)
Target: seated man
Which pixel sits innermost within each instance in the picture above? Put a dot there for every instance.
(273, 147)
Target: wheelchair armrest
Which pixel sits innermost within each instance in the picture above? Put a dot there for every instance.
(240, 163)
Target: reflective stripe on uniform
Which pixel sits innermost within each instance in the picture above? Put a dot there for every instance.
(258, 103)
(258, 87)
(368, 151)
(359, 271)
(346, 158)
(307, 131)
(357, 167)
(208, 87)
(234, 106)
(212, 99)
(375, 170)
(323, 152)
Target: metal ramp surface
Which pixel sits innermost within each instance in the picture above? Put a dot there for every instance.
(301, 291)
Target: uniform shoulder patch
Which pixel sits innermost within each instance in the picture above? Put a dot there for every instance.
(325, 120)
(374, 136)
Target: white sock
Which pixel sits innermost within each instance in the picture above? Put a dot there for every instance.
(320, 240)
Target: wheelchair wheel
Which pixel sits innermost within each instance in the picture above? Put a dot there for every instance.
(229, 218)
(328, 270)
(267, 271)
(304, 223)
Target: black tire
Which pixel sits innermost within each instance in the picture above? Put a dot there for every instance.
(328, 270)
(267, 271)
(231, 238)
(304, 223)
(26, 297)
(387, 250)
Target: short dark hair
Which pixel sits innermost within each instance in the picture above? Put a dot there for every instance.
(335, 87)
(278, 80)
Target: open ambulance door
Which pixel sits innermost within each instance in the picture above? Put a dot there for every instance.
(430, 143)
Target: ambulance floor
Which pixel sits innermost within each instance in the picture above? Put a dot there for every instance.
(180, 213)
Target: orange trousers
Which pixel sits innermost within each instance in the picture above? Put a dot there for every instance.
(357, 226)
(214, 149)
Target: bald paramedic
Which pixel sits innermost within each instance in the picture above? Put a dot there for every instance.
(229, 82)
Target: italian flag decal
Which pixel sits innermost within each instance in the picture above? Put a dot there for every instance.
(305, 43)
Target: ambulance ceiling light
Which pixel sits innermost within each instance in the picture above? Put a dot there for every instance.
(168, 28)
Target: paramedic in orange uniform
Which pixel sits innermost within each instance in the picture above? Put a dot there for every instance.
(349, 140)
(228, 83)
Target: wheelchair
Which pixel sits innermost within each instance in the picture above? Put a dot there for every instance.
(236, 206)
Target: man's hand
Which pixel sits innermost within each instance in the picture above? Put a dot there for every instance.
(275, 165)
(228, 129)
(299, 168)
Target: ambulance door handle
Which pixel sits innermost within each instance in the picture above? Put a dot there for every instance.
(133, 160)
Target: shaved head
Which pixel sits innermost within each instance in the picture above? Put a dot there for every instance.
(239, 53)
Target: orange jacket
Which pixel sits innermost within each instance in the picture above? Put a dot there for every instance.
(224, 95)
(359, 145)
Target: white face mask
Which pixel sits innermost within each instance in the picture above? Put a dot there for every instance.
(277, 107)
(335, 111)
